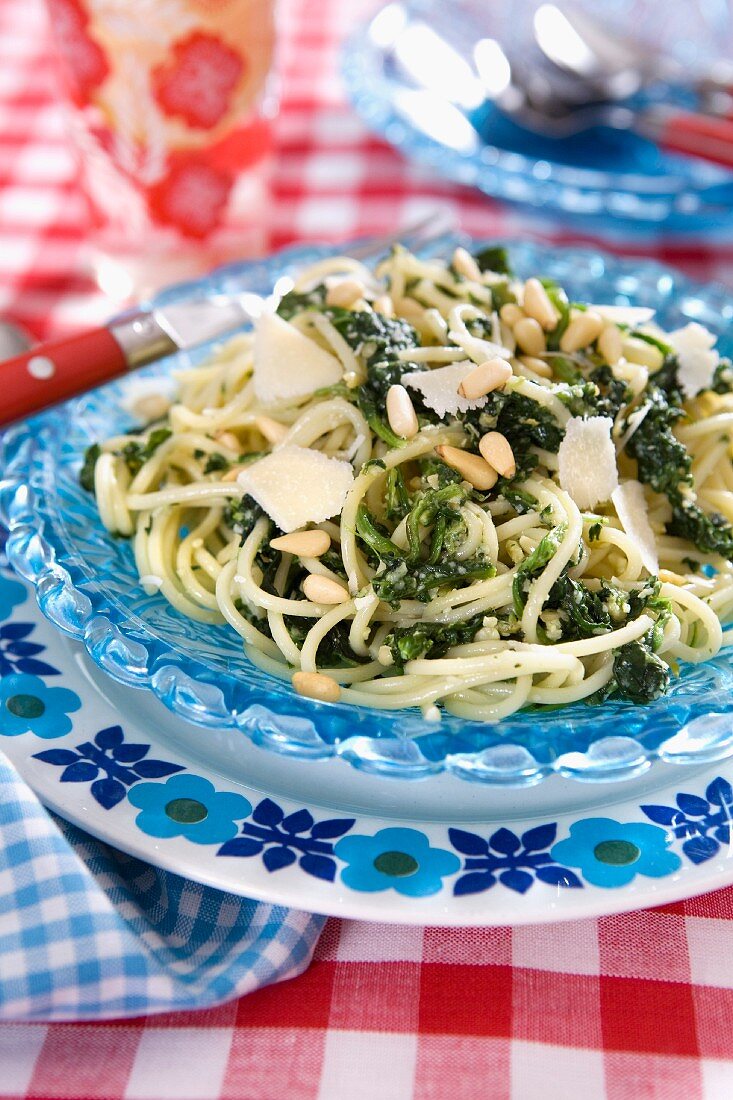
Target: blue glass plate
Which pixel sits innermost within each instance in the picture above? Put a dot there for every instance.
(87, 584)
(606, 177)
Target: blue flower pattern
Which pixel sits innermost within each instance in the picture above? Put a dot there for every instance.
(395, 858)
(17, 654)
(12, 595)
(703, 823)
(515, 862)
(28, 706)
(606, 853)
(282, 839)
(109, 763)
(188, 806)
(611, 853)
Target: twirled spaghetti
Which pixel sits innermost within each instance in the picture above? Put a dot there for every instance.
(446, 580)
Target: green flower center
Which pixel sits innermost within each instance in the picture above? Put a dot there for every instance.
(616, 852)
(25, 706)
(396, 864)
(186, 811)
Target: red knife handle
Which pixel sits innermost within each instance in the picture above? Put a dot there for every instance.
(698, 136)
(55, 371)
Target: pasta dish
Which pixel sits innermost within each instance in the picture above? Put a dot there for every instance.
(436, 485)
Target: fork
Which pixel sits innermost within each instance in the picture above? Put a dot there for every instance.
(56, 371)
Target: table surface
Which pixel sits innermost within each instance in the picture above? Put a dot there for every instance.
(635, 1006)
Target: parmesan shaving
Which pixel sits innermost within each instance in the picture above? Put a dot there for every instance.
(287, 364)
(698, 360)
(631, 508)
(297, 485)
(439, 388)
(587, 460)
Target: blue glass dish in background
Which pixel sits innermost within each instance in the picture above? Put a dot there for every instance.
(87, 584)
(412, 90)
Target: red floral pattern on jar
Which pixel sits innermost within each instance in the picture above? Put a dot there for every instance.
(192, 196)
(198, 82)
(86, 64)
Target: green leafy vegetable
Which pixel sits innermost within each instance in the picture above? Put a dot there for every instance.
(639, 675)
(86, 474)
(216, 462)
(402, 581)
(407, 643)
(136, 454)
(241, 515)
(493, 258)
(665, 464)
(536, 561)
(294, 303)
(397, 499)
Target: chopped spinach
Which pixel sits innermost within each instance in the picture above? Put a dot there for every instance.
(86, 474)
(294, 302)
(543, 553)
(216, 462)
(406, 643)
(136, 454)
(241, 515)
(639, 675)
(493, 258)
(403, 581)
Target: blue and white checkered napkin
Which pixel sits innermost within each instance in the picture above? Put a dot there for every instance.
(89, 933)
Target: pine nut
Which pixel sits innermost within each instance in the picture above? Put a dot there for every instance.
(273, 431)
(228, 439)
(497, 451)
(383, 305)
(151, 406)
(537, 304)
(511, 313)
(582, 331)
(304, 544)
(320, 589)
(610, 344)
(411, 310)
(486, 377)
(668, 577)
(401, 412)
(530, 337)
(472, 468)
(464, 264)
(646, 355)
(537, 366)
(233, 473)
(344, 293)
(314, 685)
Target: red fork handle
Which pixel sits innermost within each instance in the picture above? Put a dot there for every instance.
(694, 135)
(55, 371)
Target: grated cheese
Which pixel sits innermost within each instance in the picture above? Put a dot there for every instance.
(439, 388)
(625, 315)
(694, 345)
(631, 508)
(587, 460)
(288, 364)
(297, 485)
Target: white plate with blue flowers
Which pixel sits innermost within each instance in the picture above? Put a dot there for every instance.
(319, 836)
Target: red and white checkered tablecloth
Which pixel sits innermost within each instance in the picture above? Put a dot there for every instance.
(625, 1008)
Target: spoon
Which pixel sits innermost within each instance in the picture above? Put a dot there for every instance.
(576, 44)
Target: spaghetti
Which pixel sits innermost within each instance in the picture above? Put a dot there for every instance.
(426, 588)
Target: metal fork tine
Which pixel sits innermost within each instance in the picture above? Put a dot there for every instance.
(418, 235)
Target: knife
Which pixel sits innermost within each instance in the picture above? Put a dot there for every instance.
(55, 371)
